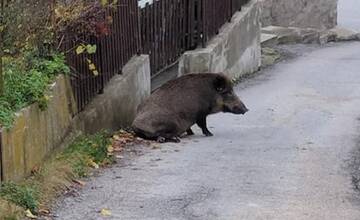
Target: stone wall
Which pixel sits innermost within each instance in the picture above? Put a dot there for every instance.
(235, 51)
(319, 14)
(36, 133)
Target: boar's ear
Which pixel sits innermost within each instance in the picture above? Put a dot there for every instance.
(220, 83)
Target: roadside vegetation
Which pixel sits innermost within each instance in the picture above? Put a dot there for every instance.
(32, 35)
(26, 81)
(31, 52)
(58, 175)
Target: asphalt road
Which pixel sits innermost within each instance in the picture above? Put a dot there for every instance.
(290, 157)
(349, 14)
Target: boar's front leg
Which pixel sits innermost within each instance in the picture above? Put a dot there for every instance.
(201, 122)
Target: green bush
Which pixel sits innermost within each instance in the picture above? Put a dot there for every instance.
(26, 82)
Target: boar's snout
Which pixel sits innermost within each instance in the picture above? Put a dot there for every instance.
(234, 105)
(240, 109)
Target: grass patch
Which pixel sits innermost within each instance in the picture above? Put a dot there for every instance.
(26, 81)
(57, 174)
(87, 151)
(21, 195)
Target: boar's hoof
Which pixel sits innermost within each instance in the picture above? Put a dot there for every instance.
(208, 134)
(176, 140)
(161, 139)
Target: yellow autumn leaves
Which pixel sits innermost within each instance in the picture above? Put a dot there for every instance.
(89, 49)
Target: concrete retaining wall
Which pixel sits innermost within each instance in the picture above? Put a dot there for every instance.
(319, 14)
(35, 133)
(235, 51)
(116, 107)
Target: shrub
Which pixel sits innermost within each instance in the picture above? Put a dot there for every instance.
(26, 81)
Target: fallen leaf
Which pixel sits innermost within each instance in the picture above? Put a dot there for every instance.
(155, 146)
(118, 147)
(93, 164)
(116, 137)
(29, 214)
(110, 149)
(105, 212)
(44, 211)
(35, 170)
(81, 183)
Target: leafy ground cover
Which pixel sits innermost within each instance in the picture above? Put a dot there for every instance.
(26, 81)
(56, 176)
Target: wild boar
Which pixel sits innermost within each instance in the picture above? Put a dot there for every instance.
(177, 105)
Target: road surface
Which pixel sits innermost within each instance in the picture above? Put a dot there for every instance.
(349, 14)
(290, 157)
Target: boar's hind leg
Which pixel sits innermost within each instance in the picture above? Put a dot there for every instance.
(161, 139)
(201, 122)
(189, 132)
(168, 133)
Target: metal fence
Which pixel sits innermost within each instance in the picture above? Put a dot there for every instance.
(170, 27)
(163, 29)
(216, 13)
(113, 52)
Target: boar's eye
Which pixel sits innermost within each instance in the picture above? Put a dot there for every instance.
(229, 94)
(220, 84)
(220, 89)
